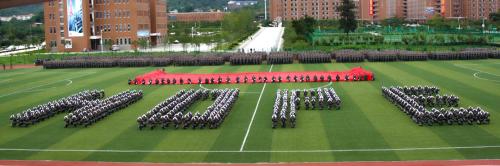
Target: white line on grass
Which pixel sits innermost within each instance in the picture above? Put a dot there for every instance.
(253, 151)
(32, 88)
(476, 75)
(254, 112)
(69, 82)
(202, 87)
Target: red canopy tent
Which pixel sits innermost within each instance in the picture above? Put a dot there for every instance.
(150, 78)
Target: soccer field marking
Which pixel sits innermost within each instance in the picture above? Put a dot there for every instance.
(464, 66)
(476, 75)
(254, 151)
(69, 82)
(202, 87)
(324, 86)
(254, 112)
(34, 88)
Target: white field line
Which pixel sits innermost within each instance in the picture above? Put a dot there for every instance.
(324, 86)
(255, 151)
(203, 87)
(69, 82)
(32, 88)
(476, 75)
(254, 112)
(463, 66)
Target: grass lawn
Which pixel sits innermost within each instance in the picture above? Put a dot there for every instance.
(367, 127)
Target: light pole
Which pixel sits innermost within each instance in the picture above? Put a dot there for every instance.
(102, 43)
(483, 26)
(265, 9)
(482, 13)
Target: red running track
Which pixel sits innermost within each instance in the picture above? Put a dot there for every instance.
(355, 74)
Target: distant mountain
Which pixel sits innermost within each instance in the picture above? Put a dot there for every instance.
(35, 8)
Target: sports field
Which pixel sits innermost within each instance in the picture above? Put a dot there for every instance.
(367, 128)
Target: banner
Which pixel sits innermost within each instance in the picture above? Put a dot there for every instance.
(371, 7)
(355, 74)
(443, 8)
(75, 18)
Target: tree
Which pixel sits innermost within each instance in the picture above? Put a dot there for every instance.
(143, 43)
(394, 21)
(495, 17)
(108, 44)
(439, 22)
(304, 27)
(347, 17)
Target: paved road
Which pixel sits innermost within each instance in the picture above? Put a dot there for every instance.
(17, 52)
(266, 39)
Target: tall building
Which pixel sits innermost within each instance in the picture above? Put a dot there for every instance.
(296, 9)
(451, 8)
(196, 16)
(81, 25)
(416, 10)
(376, 10)
(479, 9)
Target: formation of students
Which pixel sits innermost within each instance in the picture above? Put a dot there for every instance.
(285, 108)
(255, 58)
(99, 109)
(173, 111)
(424, 114)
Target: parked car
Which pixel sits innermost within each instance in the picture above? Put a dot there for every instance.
(115, 48)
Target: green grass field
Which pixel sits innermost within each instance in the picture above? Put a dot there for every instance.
(367, 128)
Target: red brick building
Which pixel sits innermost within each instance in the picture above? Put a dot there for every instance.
(196, 16)
(78, 25)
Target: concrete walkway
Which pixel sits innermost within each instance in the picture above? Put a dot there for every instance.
(267, 39)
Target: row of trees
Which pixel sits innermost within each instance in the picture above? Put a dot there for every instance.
(237, 26)
(351, 39)
(19, 32)
(423, 39)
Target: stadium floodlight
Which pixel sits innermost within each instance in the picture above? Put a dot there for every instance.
(102, 43)
(265, 9)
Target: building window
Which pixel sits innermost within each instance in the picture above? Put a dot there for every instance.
(53, 43)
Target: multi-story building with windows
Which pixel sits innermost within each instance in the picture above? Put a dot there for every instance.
(296, 9)
(196, 16)
(479, 9)
(88, 25)
(377, 10)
